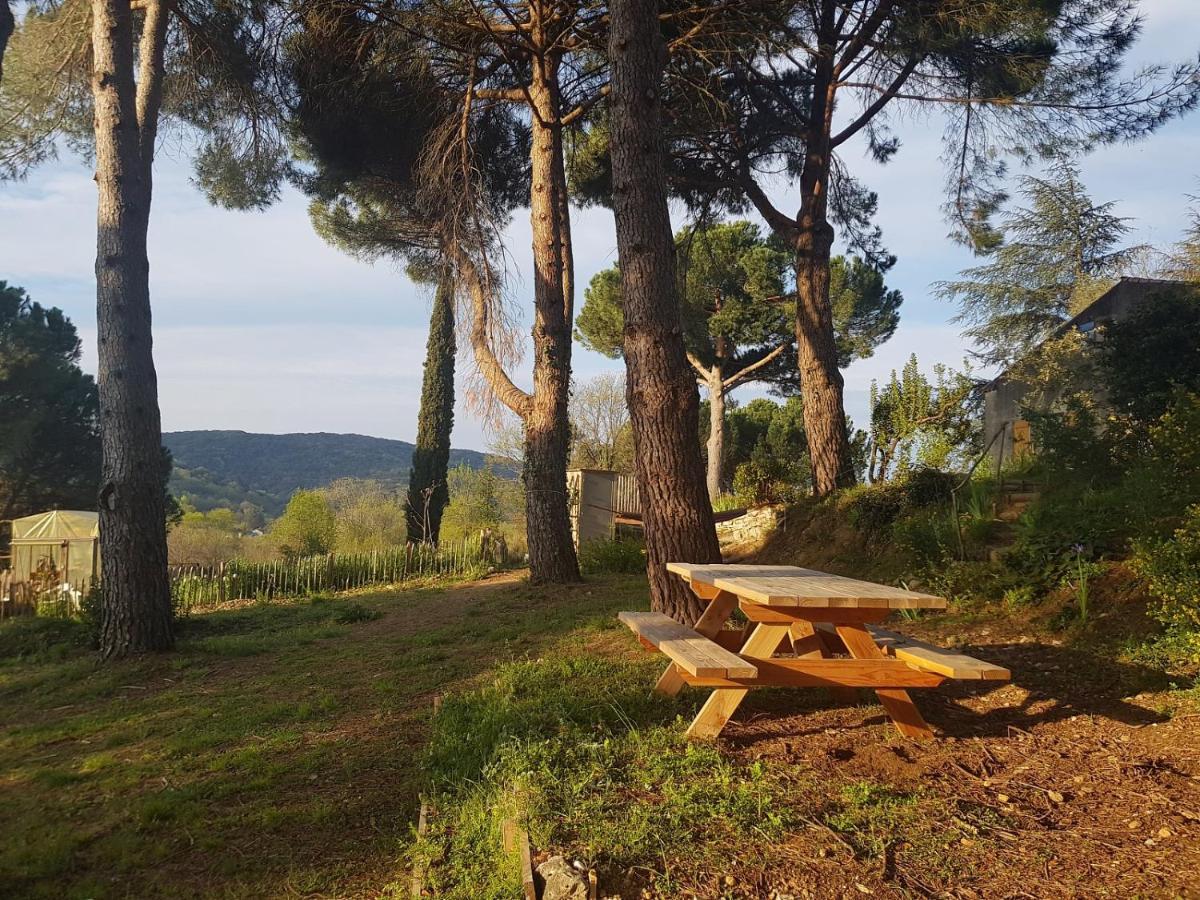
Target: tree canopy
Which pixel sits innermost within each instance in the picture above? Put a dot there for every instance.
(49, 437)
(1050, 258)
(916, 420)
(1148, 358)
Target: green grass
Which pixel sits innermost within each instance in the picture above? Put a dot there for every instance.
(276, 752)
(579, 750)
(283, 749)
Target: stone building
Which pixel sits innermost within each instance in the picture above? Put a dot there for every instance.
(1005, 430)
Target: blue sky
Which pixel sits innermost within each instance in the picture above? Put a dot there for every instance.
(261, 326)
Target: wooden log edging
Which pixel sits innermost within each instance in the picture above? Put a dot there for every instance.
(418, 873)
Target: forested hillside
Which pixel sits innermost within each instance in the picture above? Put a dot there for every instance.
(223, 468)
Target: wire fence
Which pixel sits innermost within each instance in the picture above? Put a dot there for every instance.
(196, 586)
(208, 585)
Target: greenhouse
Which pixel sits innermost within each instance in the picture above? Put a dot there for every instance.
(57, 548)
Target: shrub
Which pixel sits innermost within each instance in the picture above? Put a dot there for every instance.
(1074, 445)
(621, 557)
(928, 536)
(1171, 569)
(872, 508)
(928, 487)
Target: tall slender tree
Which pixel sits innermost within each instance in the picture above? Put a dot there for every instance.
(661, 388)
(136, 611)
(202, 50)
(365, 111)
(428, 493)
(544, 63)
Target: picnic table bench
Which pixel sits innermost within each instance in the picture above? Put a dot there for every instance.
(829, 621)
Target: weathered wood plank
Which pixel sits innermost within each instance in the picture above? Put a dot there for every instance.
(696, 654)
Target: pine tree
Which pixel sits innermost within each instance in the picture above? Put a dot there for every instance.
(7, 24)
(1183, 263)
(738, 317)
(428, 493)
(101, 76)
(1053, 256)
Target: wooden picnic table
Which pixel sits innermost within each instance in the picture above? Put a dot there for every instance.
(828, 621)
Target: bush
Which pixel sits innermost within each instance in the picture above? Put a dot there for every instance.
(872, 508)
(620, 557)
(1074, 444)
(928, 487)
(1171, 568)
(928, 536)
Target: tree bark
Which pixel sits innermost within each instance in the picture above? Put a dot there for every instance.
(136, 607)
(547, 519)
(716, 432)
(661, 388)
(821, 383)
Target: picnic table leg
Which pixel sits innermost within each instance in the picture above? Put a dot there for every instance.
(710, 622)
(808, 642)
(723, 703)
(896, 701)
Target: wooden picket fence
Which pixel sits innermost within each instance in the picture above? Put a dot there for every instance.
(24, 598)
(208, 585)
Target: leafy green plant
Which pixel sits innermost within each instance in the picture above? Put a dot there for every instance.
(872, 508)
(927, 535)
(618, 557)
(1077, 579)
(1171, 569)
(870, 816)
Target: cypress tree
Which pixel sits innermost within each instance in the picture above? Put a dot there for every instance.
(427, 491)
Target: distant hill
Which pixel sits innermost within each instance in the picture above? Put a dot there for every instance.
(224, 468)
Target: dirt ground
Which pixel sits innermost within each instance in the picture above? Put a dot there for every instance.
(1058, 784)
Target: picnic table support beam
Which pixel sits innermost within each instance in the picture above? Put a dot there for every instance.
(722, 704)
(721, 604)
(826, 673)
(807, 643)
(896, 701)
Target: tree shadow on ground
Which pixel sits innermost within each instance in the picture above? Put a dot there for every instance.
(1049, 684)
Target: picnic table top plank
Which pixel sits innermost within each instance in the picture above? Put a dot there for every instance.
(799, 587)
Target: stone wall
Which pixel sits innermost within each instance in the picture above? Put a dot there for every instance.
(744, 535)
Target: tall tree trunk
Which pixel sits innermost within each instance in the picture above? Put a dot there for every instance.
(716, 432)
(136, 607)
(7, 24)
(821, 382)
(661, 388)
(547, 519)
(427, 490)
